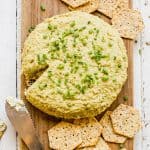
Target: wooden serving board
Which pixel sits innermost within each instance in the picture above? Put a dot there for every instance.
(31, 16)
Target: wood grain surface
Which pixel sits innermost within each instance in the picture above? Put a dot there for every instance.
(31, 16)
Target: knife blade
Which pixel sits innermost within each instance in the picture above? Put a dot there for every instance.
(20, 119)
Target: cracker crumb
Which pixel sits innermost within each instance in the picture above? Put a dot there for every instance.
(2, 128)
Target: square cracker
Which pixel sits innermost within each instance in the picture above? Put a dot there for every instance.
(128, 22)
(107, 7)
(90, 130)
(126, 120)
(90, 7)
(75, 3)
(64, 136)
(101, 145)
(108, 134)
(2, 128)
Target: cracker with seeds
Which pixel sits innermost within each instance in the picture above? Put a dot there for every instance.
(101, 145)
(90, 130)
(75, 3)
(2, 128)
(107, 7)
(122, 4)
(128, 22)
(64, 136)
(108, 134)
(126, 120)
(90, 7)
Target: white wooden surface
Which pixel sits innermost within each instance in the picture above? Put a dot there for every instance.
(7, 66)
(10, 45)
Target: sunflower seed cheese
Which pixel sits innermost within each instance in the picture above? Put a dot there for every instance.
(83, 65)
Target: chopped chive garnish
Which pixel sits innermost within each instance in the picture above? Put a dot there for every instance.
(58, 82)
(42, 7)
(84, 42)
(60, 66)
(125, 98)
(140, 51)
(90, 31)
(89, 22)
(109, 44)
(74, 44)
(68, 95)
(49, 74)
(59, 91)
(66, 74)
(97, 31)
(115, 57)
(97, 55)
(105, 78)
(72, 24)
(44, 36)
(76, 35)
(114, 80)
(81, 88)
(88, 80)
(105, 71)
(119, 65)
(42, 86)
(83, 28)
(41, 59)
(64, 61)
(103, 39)
(31, 29)
(66, 81)
(55, 27)
(50, 27)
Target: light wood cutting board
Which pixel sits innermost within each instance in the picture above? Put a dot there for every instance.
(31, 16)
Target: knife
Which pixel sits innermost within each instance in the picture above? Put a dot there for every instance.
(20, 119)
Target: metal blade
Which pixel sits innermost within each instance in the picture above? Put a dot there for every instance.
(24, 126)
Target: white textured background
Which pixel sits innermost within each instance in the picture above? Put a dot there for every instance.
(10, 41)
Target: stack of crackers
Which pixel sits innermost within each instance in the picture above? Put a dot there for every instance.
(127, 21)
(92, 134)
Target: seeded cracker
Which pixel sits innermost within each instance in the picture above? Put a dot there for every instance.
(101, 145)
(2, 128)
(122, 4)
(126, 120)
(64, 136)
(75, 3)
(89, 7)
(128, 22)
(107, 7)
(108, 134)
(90, 131)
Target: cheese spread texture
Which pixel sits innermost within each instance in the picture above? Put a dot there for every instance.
(84, 62)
